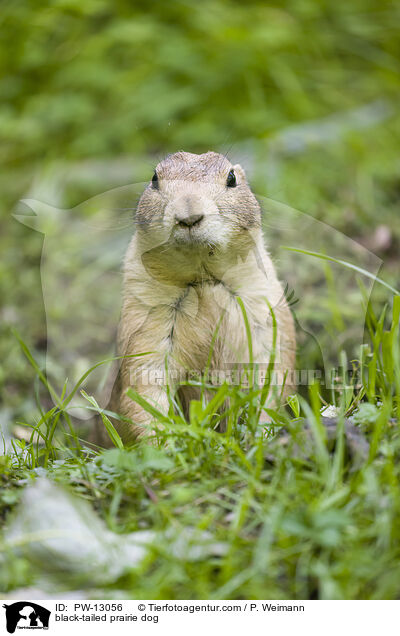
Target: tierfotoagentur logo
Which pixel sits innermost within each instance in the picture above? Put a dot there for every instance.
(82, 254)
(26, 615)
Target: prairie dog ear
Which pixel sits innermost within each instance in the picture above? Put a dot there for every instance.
(240, 172)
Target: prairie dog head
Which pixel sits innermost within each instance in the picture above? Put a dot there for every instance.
(197, 202)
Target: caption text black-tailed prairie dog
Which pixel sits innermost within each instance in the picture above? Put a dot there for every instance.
(198, 248)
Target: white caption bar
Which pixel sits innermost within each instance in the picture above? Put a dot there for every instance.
(194, 617)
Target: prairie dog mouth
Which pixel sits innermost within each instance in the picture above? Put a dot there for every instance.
(189, 235)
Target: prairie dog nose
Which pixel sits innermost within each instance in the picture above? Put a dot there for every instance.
(189, 211)
(188, 221)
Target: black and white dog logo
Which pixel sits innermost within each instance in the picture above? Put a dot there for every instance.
(26, 615)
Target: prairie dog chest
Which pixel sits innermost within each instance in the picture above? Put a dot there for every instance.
(211, 311)
(175, 308)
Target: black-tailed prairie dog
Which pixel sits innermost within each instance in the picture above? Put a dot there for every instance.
(196, 260)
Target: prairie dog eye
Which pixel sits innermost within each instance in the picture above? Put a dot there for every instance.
(154, 180)
(231, 180)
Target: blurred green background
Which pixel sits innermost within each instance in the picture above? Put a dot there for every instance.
(305, 93)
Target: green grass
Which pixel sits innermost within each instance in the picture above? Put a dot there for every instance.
(299, 515)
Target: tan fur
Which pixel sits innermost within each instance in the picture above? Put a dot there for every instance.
(180, 283)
